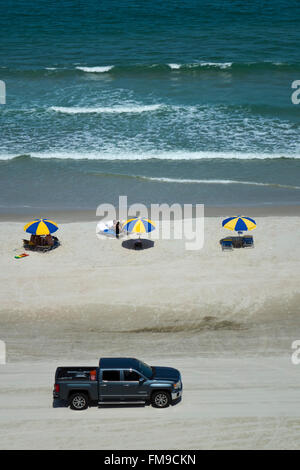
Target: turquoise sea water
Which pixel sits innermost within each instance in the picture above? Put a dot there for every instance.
(164, 101)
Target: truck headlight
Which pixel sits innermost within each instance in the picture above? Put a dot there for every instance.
(177, 385)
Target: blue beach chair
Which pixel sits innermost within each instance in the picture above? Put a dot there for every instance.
(226, 244)
(248, 241)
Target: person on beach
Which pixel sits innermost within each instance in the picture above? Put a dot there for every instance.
(118, 229)
(49, 240)
(32, 240)
(35, 240)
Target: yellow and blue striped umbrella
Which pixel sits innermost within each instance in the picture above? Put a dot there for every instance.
(239, 224)
(139, 225)
(41, 227)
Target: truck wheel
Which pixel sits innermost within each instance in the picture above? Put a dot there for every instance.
(160, 399)
(79, 401)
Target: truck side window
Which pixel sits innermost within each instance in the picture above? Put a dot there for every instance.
(111, 375)
(131, 376)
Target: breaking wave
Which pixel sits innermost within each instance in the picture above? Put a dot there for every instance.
(101, 69)
(216, 181)
(171, 155)
(149, 69)
(105, 109)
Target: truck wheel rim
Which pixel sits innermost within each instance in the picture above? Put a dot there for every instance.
(79, 402)
(161, 399)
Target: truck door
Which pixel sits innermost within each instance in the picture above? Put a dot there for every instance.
(110, 386)
(133, 388)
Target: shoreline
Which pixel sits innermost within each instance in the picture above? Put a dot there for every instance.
(88, 215)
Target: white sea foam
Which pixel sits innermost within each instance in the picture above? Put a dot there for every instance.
(100, 69)
(174, 66)
(170, 155)
(220, 65)
(105, 109)
(215, 181)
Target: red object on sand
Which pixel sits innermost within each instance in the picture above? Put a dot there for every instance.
(21, 256)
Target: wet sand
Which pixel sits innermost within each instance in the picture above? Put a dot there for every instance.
(88, 215)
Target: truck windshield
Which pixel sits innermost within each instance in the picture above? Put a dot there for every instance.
(145, 369)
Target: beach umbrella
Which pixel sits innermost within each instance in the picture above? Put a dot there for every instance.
(239, 224)
(139, 225)
(41, 227)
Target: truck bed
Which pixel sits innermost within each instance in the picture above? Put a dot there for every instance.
(81, 373)
(71, 379)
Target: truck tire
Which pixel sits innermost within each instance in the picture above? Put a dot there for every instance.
(79, 401)
(160, 399)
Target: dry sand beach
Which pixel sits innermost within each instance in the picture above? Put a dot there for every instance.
(226, 320)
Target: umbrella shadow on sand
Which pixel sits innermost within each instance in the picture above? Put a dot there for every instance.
(138, 244)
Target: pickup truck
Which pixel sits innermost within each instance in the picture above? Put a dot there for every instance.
(117, 381)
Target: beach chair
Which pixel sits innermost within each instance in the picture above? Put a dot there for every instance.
(226, 244)
(237, 242)
(248, 241)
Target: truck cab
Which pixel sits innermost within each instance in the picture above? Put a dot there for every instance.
(118, 381)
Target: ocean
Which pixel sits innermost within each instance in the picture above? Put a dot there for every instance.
(163, 101)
